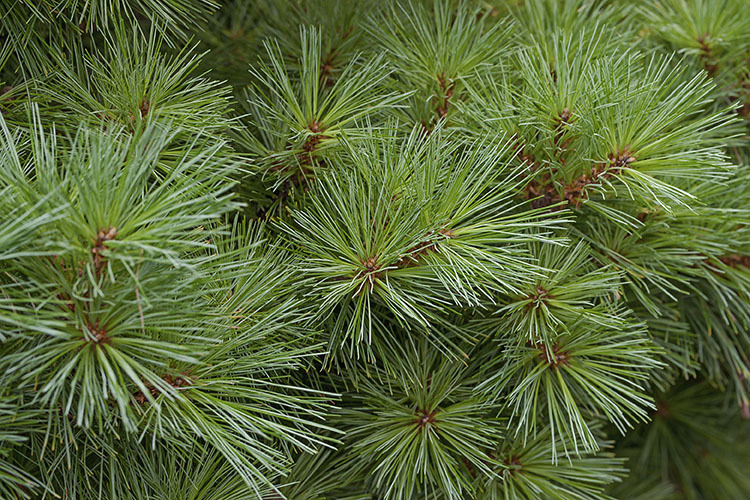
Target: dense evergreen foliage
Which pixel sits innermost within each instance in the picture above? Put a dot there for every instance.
(385, 250)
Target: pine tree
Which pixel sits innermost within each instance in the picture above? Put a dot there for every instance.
(359, 250)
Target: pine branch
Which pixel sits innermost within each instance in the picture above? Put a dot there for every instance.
(419, 228)
(415, 431)
(582, 373)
